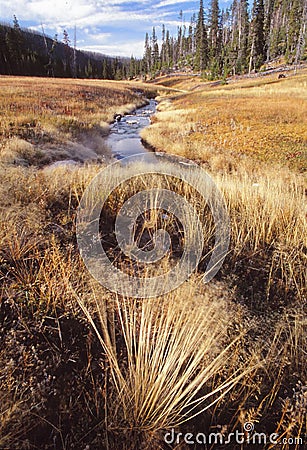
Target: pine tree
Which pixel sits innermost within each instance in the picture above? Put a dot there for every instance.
(15, 44)
(155, 52)
(226, 28)
(168, 50)
(89, 69)
(294, 29)
(235, 41)
(215, 39)
(67, 57)
(51, 60)
(257, 44)
(66, 40)
(180, 36)
(268, 14)
(147, 54)
(190, 38)
(104, 70)
(163, 49)
(132, 72)
(214, 34)
(243, 29)
(201, 38)
(302, 38)
(16, 25)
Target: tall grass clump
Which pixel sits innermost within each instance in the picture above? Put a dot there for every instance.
(164, 355)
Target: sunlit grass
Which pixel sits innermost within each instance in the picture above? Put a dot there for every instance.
(264, 119)
(41, 118)
(82, 366)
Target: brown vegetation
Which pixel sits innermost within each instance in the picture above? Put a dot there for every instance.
(263, 118)
(42, 119)
(81, 367)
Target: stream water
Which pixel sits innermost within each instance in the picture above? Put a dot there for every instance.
(124, 138)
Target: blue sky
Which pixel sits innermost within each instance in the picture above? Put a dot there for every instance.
(113, 27)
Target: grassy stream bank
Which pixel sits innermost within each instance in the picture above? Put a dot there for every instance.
(63, 385)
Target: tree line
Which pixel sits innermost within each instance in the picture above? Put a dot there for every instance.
(216, 43)
(25, 52)
(235, 40)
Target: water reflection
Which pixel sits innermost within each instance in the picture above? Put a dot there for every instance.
(124, 138)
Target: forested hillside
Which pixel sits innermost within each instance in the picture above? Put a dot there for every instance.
(24, 52)
(235, 40)
(216, 43)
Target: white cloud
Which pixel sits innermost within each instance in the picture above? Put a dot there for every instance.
(44, 10)
(113, 16)
(135, 48)
(173, 23)
(100, 36)
(100, 23)
(69, 11)
(169, 2)
(65, 14)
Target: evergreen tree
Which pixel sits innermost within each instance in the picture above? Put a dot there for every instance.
(51, 60)
(180, 36)
(168, 50)
(147, 54)
(257, 44)
(16, 25)
(155, 66)
(201, 38)
(89, 69)
(67, 56)
(234, 43)
(302, 38)
(132, 72)
(214, 34)
(163, 48)
(15, 44)
(243, 34)
(294, 29)
(215, 39)
(190, 39)
(268, 14)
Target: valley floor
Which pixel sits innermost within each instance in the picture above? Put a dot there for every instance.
(81, 367)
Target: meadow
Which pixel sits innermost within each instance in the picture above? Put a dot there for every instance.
(264, 118)
(43, 121)
(82, 367)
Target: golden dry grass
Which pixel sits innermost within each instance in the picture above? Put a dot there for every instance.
(184, 332)
(43, 281)
(121, 372)
(251, 135)
(262, 118)
(61, 102)
(42, 118)
(224, 128)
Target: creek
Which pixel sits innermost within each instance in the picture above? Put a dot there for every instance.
(124, 138)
